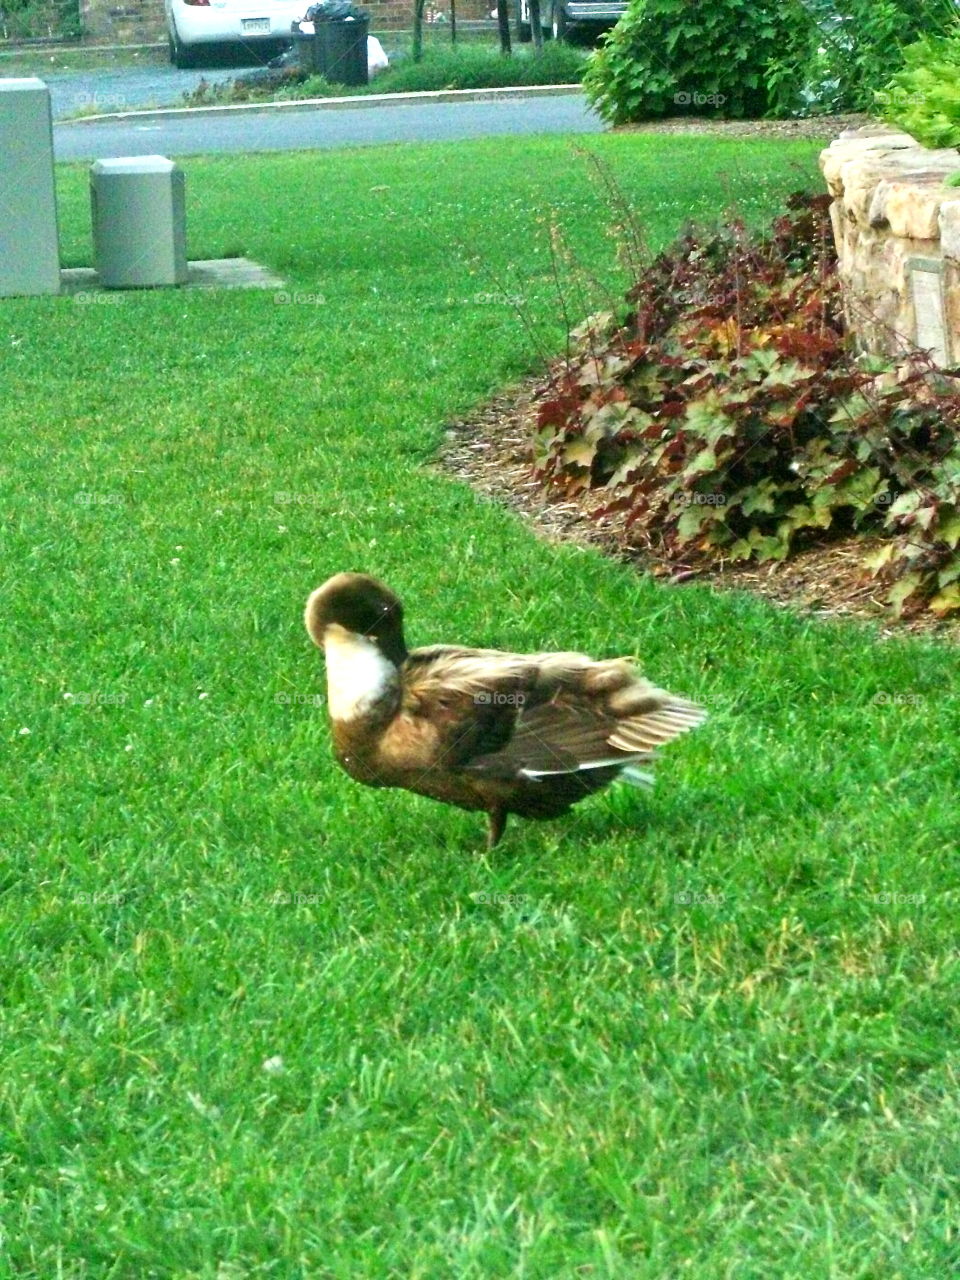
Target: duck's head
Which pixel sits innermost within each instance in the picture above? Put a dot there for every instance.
(352, 607)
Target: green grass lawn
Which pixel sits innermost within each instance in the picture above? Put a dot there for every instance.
(710, 1032)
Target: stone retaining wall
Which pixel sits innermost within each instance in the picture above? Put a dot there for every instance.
(896, 224)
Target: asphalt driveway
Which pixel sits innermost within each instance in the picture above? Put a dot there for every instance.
(307, 128)
(127, 88)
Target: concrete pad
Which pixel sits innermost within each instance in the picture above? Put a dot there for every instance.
(207, 273)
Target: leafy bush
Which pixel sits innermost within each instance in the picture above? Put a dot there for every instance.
(924, 97)
(781, 57)
(670, 57)
(725, 419)
(842, 51)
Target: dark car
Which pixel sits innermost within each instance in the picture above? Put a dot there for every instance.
(562, 18)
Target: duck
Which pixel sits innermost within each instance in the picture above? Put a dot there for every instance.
(482, 729)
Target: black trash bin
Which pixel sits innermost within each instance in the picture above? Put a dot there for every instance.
(338, 49)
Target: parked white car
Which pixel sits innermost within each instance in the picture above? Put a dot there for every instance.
(193, 24)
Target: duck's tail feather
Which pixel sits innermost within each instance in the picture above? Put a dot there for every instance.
(620, 767)
(636, 777)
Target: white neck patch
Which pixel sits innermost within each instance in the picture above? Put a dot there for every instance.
(358, 675)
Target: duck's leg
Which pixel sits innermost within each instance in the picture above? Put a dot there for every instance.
(498, 821)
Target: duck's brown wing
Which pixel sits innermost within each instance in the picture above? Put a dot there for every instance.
(460, 703)
(530, 716)
(567, 735)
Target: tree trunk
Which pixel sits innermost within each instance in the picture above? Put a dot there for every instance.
(503, 22)
(453, 21)
(418, 6)
(536, 30)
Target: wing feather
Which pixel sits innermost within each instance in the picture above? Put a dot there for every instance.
(526, 716)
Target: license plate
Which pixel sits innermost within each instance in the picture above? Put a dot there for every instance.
(255, 24)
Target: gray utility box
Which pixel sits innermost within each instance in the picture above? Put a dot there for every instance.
(139, 222)
(29, 245)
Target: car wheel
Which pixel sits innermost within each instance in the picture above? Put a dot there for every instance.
(558, 21)
(181, 55)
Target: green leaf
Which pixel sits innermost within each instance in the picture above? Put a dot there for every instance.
(948, 530)
(880, 558)
(632, 463)
(692, 521)
(946, 601)
(763, 498)
(707, 417)
(901, 591)
(906, 504)
(706, 460)
(609, 419)
(579, 452)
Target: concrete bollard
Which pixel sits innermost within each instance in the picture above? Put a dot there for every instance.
(139, 222)
(29, 243)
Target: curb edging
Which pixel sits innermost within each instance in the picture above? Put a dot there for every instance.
(337, 104)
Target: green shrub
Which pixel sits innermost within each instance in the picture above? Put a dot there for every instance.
(924, 97)
(839, 52)
(673, 57)
(734, 58)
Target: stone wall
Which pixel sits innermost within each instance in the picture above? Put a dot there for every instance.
(123, 21)
(897, 229)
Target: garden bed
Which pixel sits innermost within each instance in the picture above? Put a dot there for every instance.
(492, 451)
(800, 127)
(724, 428)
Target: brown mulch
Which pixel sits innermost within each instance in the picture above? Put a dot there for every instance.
(491, 451)
(816, 127)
